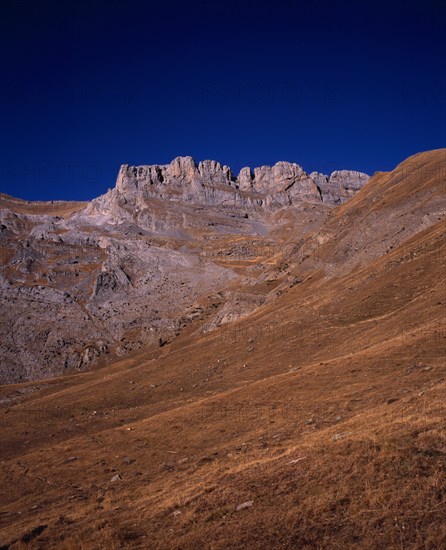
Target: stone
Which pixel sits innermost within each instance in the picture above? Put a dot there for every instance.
(296, 460)
(339, 436)
(247, 504)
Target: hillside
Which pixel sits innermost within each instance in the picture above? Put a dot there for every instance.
(83, 284)
(299, 404)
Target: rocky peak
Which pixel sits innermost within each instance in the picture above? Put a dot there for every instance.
(340, 186)
(212, 183)
(349, 179)
(182, 168)
(245, 179)
(213, 172)
(277, 178)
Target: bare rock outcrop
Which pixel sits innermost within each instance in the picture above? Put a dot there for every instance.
(211, 184)
(340, 185)
(245, 179)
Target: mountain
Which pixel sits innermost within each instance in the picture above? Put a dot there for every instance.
(300, 407)
(83, 283)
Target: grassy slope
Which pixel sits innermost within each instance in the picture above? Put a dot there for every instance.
(325, 408)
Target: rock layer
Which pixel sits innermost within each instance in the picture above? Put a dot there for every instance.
(210, 183)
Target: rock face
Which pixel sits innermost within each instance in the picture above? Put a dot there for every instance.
(245, 179)
(209, 183)
(340, 185)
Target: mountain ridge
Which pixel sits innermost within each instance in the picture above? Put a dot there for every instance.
(297, 403)
(142, 263)
(272, 186)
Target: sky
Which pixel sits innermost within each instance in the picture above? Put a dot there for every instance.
(89, 85)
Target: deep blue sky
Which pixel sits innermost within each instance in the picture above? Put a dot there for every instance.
(89, 85)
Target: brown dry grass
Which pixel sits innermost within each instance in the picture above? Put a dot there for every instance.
(53, 208)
